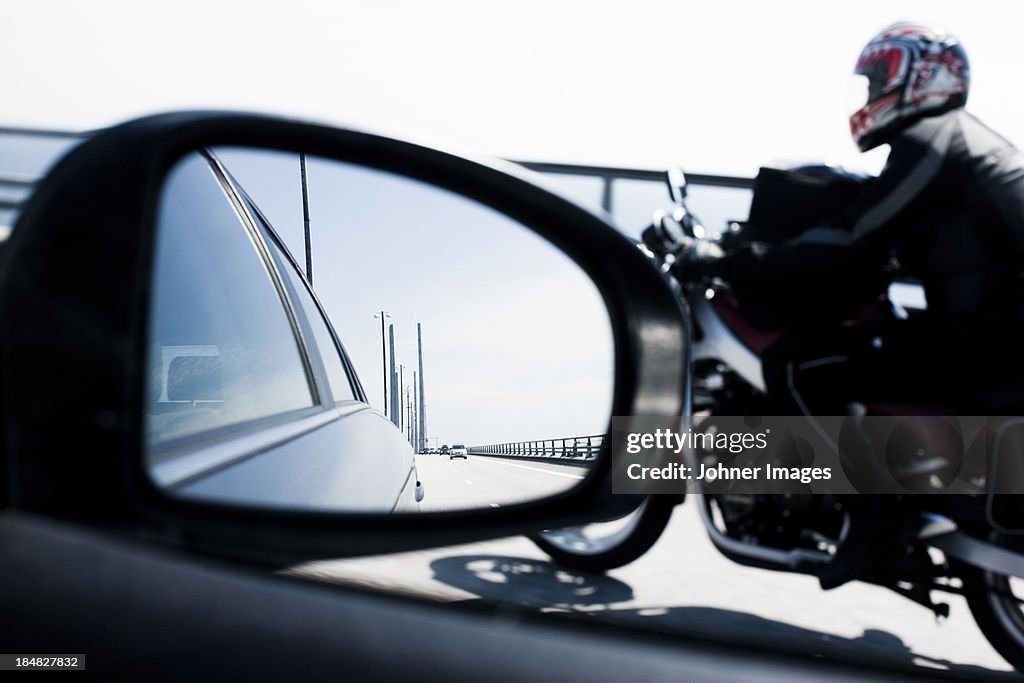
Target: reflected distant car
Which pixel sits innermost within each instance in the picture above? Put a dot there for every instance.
(246, 373)
(458, 451)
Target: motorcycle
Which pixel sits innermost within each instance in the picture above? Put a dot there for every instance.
(978, 534)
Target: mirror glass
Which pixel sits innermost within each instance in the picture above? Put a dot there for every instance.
(327, 336)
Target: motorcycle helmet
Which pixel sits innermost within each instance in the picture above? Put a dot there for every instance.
(912, 71)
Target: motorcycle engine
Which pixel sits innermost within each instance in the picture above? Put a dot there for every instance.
(782, 521)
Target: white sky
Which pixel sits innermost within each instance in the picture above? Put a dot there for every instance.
(517, 343)
(714, 86)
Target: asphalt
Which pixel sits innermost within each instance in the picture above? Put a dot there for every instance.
(486, 481)
(682, 586)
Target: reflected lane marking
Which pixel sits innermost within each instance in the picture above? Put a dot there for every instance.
(494, 505)
(537, 469)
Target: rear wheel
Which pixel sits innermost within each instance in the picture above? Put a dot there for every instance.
(997, 604)
(608, 545)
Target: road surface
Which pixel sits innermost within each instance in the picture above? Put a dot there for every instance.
(485, 481)
(684, 587)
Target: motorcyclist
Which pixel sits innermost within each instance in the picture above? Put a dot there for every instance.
(947, 209)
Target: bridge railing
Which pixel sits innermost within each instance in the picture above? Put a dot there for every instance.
(577, 448)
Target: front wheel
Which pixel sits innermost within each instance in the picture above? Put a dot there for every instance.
(608, 545)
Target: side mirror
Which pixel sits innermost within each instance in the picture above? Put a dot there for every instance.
(205, 392)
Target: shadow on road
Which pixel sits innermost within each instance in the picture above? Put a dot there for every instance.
(529, 583)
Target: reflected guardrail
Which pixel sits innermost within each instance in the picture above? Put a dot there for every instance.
(575, 448)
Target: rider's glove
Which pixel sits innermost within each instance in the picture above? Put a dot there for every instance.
(698, 260)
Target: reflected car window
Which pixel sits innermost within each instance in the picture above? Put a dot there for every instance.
(341, 388)
(221, 348)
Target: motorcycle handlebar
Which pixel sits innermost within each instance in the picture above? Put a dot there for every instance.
(654, 239)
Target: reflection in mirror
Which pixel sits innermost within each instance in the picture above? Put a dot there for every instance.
(326, 336)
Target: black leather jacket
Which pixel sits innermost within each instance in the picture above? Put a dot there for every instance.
(948, 209)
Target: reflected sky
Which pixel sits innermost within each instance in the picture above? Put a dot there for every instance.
(517, 343)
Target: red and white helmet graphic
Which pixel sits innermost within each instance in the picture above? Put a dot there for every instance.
(912, 71)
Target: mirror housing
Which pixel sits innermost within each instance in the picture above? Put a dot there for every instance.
(74, 295)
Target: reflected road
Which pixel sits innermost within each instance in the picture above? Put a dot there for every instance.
(483, 481)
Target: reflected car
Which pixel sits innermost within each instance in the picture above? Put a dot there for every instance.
(246, 376)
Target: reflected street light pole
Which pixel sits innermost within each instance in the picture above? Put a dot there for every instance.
(305, 219)
(401, 397)
(421, 402)
(408, 412)
(384, 356)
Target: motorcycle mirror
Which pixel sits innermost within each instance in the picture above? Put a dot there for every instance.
(676, 180)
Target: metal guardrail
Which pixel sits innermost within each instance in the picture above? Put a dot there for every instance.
(612, 173)
(609, 175)
(568, 447)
